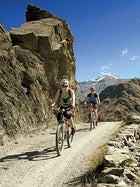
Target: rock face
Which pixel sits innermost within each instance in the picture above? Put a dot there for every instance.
(33, 60)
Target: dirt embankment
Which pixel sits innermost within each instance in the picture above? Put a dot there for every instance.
(32, 161)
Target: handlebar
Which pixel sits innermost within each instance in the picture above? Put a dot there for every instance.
(58, 109)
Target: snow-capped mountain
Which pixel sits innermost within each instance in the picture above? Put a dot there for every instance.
(99, 83)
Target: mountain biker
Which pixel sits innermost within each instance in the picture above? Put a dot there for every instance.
(67, 101)
(94, 99)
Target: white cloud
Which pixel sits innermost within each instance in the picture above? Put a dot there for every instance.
(134, 57)
(103, 69)
(124, 52)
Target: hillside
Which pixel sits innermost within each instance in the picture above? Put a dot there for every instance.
(120, 101)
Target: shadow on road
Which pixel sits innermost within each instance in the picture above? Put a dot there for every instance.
(82, 129)
(78, 181)
(48, 153)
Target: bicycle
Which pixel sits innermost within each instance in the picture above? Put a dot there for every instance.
(92, 118)
(63, 133)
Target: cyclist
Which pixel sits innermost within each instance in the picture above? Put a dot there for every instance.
(94, 99)
(67, 101)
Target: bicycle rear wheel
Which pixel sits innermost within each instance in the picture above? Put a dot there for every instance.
(59, 139)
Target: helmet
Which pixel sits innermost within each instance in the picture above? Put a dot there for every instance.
(64, 82)
(92, 88)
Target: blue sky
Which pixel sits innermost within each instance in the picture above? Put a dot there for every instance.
(106, 32)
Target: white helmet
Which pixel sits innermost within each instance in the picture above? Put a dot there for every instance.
(92, 88)
(64, 82)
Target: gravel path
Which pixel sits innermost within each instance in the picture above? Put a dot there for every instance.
(33, 162)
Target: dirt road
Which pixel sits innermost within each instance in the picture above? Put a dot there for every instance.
(33, 162)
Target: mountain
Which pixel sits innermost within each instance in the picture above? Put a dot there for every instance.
(121, 100)
(99, 83)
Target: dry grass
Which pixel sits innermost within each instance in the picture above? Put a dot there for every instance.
(95, 163)
(114, 135)
(96, 158)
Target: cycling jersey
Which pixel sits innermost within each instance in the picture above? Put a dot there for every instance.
(65, 99)
(92, 98)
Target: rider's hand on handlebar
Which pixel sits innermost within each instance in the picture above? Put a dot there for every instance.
(51, 108)
(72, 109)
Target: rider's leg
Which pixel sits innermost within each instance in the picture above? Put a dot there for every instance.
(71, 122)
(89, 116)
(59, 117)
(89, 111)
(69, 116)
(96, 114)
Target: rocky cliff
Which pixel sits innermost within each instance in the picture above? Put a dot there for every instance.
(33, 59)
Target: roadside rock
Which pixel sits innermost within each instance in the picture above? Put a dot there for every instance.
(121, 163)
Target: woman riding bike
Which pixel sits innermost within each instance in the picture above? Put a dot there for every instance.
(67, 97)
(94, 99)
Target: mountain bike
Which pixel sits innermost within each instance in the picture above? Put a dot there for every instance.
(92, 118)
(63, 133)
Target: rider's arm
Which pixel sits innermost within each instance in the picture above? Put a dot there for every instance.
(73, 97)
(98, 98)
(55, 98)
(85, 101)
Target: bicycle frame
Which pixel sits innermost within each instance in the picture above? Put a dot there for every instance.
(63, 133)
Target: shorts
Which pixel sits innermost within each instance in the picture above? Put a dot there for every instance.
(67, 114)
(93, 105)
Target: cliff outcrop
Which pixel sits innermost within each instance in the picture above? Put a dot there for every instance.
(33, 60)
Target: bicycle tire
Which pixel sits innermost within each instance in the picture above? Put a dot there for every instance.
(59, 139)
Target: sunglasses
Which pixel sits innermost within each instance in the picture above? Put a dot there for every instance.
(64, 86)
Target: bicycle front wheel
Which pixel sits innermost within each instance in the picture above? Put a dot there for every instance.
(59, 139)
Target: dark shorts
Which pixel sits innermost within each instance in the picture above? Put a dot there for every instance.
(94, 105)
(67, 114)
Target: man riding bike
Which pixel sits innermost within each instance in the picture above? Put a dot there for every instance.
(94, 99)
(67, 98)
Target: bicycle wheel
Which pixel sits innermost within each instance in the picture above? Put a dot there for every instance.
(59, 139)
(91, 121)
